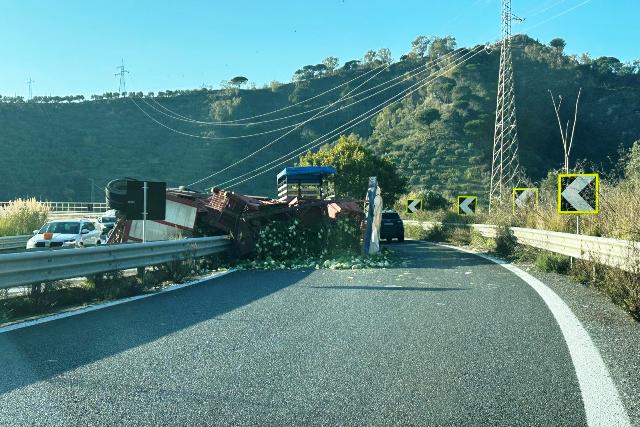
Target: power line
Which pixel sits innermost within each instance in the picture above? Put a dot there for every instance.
(315, 116)
(361, 118)
(296, 125)
(347, 128)
(274, 111)
(543, 8)
(121, 73)
(272, 142)
(556, 16)
(230, 123)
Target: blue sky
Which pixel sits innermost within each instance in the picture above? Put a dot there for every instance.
(74, 46)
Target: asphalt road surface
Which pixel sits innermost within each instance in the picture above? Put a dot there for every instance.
(447, 339)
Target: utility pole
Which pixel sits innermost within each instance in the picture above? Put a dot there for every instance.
(30, 82)
(121, 73)
(505, 165)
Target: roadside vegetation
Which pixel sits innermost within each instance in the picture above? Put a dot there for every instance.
(54, 296)
(618, 218)
(439, 137)
(21, 217)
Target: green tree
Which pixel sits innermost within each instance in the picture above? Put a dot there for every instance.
(420, 46)
(384, 55)
(428, 116)
(238, 81)
(351, 65)
(558, 44)
(632, 167)
(369, 57)
(355, 164)
(331, 63)
(442, 88)
(434, 201)
(441, 46)
(607, 65)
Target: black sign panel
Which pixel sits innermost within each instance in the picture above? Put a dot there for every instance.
(578, 193)
(156, 200)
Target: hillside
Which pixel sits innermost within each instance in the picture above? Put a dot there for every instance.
(51, 149)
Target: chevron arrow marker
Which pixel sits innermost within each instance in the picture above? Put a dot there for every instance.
(572, 193)
(465, 206)
(524, 196)
(413, 206)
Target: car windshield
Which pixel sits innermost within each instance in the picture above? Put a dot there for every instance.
(390, 215)
(67, 227)
(108, 219)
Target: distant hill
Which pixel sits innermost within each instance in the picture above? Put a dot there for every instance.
(51, 148)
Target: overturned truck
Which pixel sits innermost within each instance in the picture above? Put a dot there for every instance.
(188, 213)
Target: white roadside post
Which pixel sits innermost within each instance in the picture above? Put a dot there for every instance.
(144, 212)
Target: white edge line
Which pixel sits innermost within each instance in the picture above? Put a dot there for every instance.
(602, 403)
(100, 306)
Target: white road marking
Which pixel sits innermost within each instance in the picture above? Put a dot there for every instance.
(602, 404)
(572, 193)
(51, 318)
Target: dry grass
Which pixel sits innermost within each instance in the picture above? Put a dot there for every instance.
(21, 217)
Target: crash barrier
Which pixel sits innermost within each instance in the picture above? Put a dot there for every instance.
(74, 215)
(71, 206)
(13, 242)
(622, 254)
(35, 267)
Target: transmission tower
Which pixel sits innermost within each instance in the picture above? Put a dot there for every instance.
(30, 82)
(504, 166)
(121, 73)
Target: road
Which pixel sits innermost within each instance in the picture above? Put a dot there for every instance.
(446, 339)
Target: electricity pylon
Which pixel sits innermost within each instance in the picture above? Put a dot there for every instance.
(30, 82)
(505, 165)
(121, 73)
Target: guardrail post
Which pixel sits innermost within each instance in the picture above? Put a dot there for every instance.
(140, 273)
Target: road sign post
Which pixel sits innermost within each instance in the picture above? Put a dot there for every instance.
(578, 194)
(523, 197)
(467, 205)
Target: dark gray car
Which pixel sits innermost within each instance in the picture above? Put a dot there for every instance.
(391, 226)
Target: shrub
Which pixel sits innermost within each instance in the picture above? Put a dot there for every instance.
(623, 287)
(481, 242)
(113, 284)
(415, 232)
(505, 242)
(552, 263)
(22, 217)
(459, 236)
(436, 234)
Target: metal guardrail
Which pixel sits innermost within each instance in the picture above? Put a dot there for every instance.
(71, 206)
(13, 242)
(35, 267)
(72, 215)
(622, 254)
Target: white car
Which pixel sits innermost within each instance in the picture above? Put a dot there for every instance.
(65, 233)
